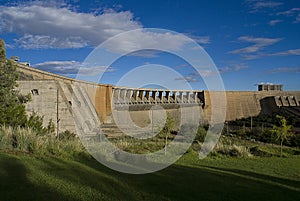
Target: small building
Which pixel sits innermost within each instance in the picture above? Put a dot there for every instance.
(15, 58)
(25, 63)
(269, 87)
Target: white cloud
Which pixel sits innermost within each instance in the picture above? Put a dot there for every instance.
(266, 4)
(52, 27)
(259, 44)
(204, 73)
(208, 72)
(70, 67)
(199, 39)
(261, 5)
(289, 12)
(253, 56)
(188, 78)
(38, 41)
(274, 22)
(47, 26)
(146, 39)
(145, 53)
(292, 52)
(180, 66)
(297, 19)
(287, 53)
(233, 68)
(294, 12)
(285, 70)
(197, 76)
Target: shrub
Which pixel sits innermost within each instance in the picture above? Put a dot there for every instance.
(29, 141)
(266, 136)
(232, 150)
(188, 129)
(295, 141)
(35, 122)
(201, 133)
(66, 135)
(225, 147)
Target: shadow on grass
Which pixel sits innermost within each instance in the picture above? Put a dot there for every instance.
(189, 183)
(14, 183)
(291, 184)
(86, 179)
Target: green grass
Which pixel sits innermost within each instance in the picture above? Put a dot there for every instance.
(43, 167)
(31, 177)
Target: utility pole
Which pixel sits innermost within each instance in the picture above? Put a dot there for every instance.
(57, 115)
(227, 128)
(152, 121)
(251, 123)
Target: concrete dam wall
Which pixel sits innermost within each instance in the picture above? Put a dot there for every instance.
(243, 104)
(54, 97)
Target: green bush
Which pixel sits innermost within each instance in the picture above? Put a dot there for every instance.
(266, 136)
(35, 122)
(295, 141)
(231, 150)
(201, 134)
(30, 141)
(188, 129)
(66, 135)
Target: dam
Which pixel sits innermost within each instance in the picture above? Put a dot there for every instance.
(54, 95)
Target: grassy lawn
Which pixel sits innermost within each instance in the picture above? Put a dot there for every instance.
(30, 177)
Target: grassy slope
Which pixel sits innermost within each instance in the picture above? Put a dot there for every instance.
(31, 178)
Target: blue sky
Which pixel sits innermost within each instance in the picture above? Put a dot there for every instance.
(249, 41)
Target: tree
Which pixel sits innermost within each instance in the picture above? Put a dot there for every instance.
(282, 132)
(169, 125)
(12, 109)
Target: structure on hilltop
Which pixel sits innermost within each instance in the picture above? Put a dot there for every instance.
(269, 87)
